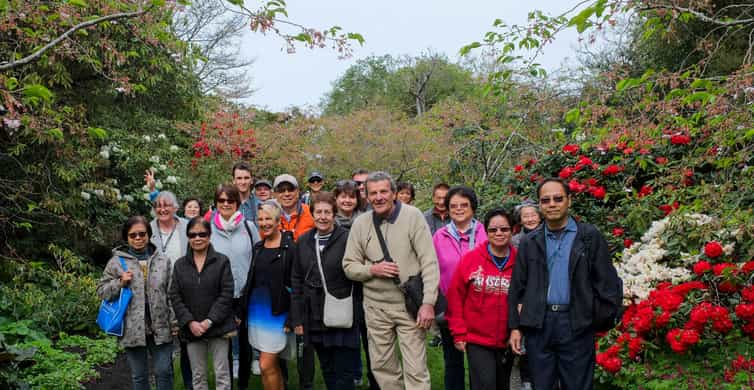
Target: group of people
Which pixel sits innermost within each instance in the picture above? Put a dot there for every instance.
(270, 274)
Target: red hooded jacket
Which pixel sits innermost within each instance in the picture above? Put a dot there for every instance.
(478, 299)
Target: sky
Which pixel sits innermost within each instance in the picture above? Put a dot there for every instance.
(390, 27)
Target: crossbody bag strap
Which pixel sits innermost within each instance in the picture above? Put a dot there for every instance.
(123, 264)
(385, 253)
(319, 264)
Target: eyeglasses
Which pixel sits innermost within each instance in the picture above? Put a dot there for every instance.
(459, 206)
(358, 183)
(163, 206)
(225, 200)
(556, 199)
(315, 180)
(133, 235)
(285, 189)
(198, 234)
(502, 229)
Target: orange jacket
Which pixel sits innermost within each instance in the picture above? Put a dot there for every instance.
(300, 223)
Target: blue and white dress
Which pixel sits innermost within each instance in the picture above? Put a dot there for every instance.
(266, 331)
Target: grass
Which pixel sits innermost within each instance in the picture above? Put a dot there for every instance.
(434, 361)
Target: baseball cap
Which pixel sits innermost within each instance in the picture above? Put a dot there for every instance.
(285, 178)
(315, 175)
(263, 182)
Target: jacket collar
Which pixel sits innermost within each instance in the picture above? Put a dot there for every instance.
(393, 214)
(481, 249)
(308, 237)
(211, 256)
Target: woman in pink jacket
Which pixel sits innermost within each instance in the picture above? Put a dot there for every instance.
(452, 241)
(478, 305)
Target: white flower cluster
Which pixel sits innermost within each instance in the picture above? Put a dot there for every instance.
(106, 150)
(641, 269)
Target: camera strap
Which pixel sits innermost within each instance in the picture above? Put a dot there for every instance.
(376, 220)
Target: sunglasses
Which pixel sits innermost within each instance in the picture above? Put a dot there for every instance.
(198, 234)
(133, 235)
(358, 183)
(555, 199)
(315, 181)
(225, 200)
(494, 230)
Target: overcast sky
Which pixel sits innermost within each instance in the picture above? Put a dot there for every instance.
(389, 27)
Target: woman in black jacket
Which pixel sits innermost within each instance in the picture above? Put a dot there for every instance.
(266, 300)
(336, 347)
(202, 297)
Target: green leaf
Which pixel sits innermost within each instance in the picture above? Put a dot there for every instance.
(11, 83)
(236, 2)
(303, 37)
(56, 133)
(704, 97)
(158, 3)
(471, 46)
(749, 135)
(33, 93)
(78, 3)
(581, 21)
(98, 133)
(572, 116)
(357, 37)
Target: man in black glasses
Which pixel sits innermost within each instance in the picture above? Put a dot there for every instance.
(564, 288)
(359, 176)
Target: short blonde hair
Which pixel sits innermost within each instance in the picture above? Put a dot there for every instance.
(271, 207)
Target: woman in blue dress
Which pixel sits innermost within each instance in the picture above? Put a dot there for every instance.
(266, 297)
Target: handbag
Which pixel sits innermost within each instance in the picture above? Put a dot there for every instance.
(338, 311)
(111, 313)
(413, 288)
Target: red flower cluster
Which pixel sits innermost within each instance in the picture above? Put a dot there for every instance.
(612, 170)
(566, 172)
(706, 313)
(740, 363)
(661, 160)
(572, 149)
(701, 267)
(667, 208)
(518, 168)
(680, 139)
(681, 339)
(644, 191)
(713, 249)
(617, 232)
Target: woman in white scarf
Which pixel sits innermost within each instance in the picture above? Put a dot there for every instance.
(234, 236)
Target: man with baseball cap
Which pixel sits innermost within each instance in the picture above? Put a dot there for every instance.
(296, 217)
(262, 190)
(315, 182)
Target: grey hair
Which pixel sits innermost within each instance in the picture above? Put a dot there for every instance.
(168, 196)
(380, 176)
(272, 207)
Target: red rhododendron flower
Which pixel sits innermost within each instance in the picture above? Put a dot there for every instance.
(723, 325)
(680, 139)
(748, 328)
(727, 287)
(673, 338)
(634, 347)
(598, 192)
(644, 191)
(748, 267)
(612, 170)
(643, 151)
(745, 311)
(590, 181)
(689, 336)
(572, 149)
(719, 269)
(575, 186)
(518, 168)
(617, 232)
(661, 160)
(748, 294)
(628, 242)
(713, 249)
(663, 319)
(613, 365)
(566, 172)
(585, 161)
(667, 209)
(684, 288)
(701, 267)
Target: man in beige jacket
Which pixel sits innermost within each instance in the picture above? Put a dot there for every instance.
(409, 244)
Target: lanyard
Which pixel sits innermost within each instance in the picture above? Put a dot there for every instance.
(164, 245)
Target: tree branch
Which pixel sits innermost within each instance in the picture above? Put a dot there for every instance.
(34, 56)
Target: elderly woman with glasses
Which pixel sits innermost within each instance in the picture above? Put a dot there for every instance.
(528, 215)
(266, 298)
(452, 241)
(149, 320)
(235, 237)
(478, 305)
(202, 297)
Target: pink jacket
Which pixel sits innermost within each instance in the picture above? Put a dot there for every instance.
(449, 251)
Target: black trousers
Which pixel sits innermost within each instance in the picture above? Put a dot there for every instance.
(560, 355)
(454, 362)
(188, 383)
(337, 366)
(489, 368)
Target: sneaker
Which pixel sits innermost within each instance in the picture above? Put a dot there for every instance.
(357, 382)
(235, 368)
(435, 342)
(255, 368)
(526, 386)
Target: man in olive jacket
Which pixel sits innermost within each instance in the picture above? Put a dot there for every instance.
(410, 247)
(564, 288)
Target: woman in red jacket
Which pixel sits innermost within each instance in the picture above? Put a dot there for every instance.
(478, 305)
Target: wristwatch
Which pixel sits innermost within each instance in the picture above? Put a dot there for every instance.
(209, 322)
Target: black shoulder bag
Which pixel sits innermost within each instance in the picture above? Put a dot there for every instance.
(413, 289)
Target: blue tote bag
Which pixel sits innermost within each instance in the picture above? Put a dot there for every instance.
(111, 313)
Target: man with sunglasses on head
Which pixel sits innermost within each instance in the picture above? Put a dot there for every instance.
(315, 183)
(359, 176)
(564, 288)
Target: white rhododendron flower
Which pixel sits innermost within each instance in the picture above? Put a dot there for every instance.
(128, 198)
(171, 179)
(155, 159)
(85, 195)
(174, 148)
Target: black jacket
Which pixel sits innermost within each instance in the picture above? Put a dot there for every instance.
(197, 296)
(308, 301)
(280, 284)
(593, 281)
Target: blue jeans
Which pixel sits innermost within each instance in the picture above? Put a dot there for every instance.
(162, 359)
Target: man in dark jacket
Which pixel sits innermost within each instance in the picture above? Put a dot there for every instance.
(564, 288)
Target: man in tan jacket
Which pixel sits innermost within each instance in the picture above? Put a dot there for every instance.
(410, 247)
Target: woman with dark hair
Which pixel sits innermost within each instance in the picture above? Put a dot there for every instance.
(406, 192)
(319, 266)
(266, 298)
(452, 241)
(147, 326)
(202, 297)
(235, 236)
(348, 202)
(192, 207)
(478, 305)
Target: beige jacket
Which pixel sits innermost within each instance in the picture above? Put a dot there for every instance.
(410, 245)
